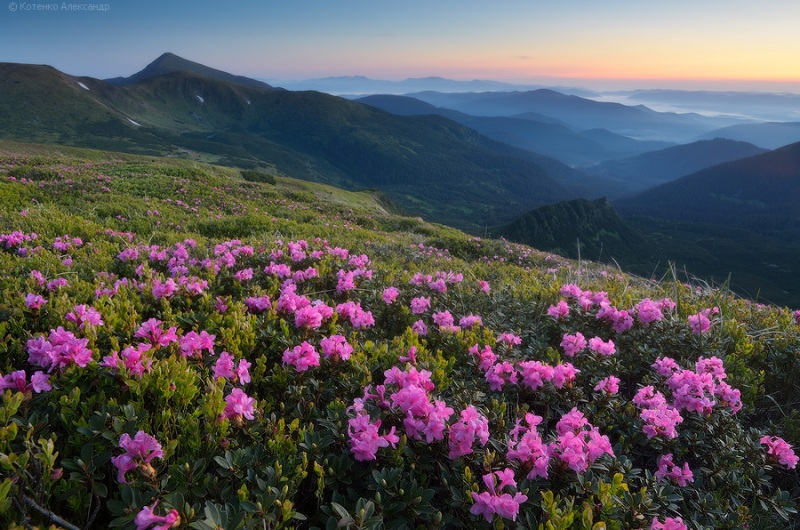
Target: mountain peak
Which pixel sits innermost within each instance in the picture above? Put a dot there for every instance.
(168, 63)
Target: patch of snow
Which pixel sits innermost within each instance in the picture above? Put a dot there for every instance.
(200, 98)
(83, 86)
(133, 122)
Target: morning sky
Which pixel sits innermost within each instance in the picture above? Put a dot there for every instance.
(736, 44)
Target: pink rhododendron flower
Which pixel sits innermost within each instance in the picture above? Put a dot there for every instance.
(699, 323)
(780, 451)
(510, 339)
(83, 315)
(302, 357)
(131, 358)
(649, 397)
(484, 286)
(60, 350)
(152, 332)
(258, 304)
(410, 357)
(146, 519)
(525, 445)
(420, 304)
(239, 405)
(470, 321)
(420, 328)
(564, 374)
(139, 452)
(194, 343)
(364, 439)
(670, 523)
(471, 425)
(390, 294)
(621, 321)
(579, 443)
(486, 357)
(648, 311)
(665, 366)
(244, 275)
(443, 319)
(535, 374)
(678, 475)
(500, 374)
(164, 289)
(601, 347)
(558, 311)
(609, 385)
(34, 301)
(336, 347)
(661, 421)
(439, 285)
(308, 318)
(573, 344)
(489, 503)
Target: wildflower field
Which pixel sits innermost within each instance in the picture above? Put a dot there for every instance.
(182, 348)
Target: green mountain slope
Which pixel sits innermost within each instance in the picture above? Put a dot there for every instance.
(759, 193)
(657, 167)
(587, 229)
(430, 166)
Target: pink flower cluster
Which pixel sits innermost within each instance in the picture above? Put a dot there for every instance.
(424, 419)
(226, 368)
(670, 523)
(525, 445)
(84, 315)
(678, 475)
(780, 451)
(133, 359)
(491, 502)
(18, 380)
(579, 443)
(302, 357)
(700, 322)
(139, 452)
(471, 426)
(59, 350)
(146, 519)
(698, 390)
(152, 331)
(363, 435)
(34, 301)
(239, 405)
(194, 343)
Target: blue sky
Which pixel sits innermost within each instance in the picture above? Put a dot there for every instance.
(706, 43)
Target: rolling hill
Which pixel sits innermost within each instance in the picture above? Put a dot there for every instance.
(638, 122)
(577, 229)
(769, 135)
(759, 193)
(428, 165)
(533, 132)
(657, 167)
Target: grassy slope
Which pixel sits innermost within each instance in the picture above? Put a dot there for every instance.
(87, 194)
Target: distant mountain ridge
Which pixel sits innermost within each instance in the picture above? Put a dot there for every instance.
(169, 63)
(770, 135)
(537, 133)
(657, 167)
(428, 165)
(581, 113)
(760, 193)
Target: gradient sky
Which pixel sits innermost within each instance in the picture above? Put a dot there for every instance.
(736, 44)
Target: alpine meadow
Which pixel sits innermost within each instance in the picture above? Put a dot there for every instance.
(229, 305)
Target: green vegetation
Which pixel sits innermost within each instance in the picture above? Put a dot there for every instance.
(159, 323)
